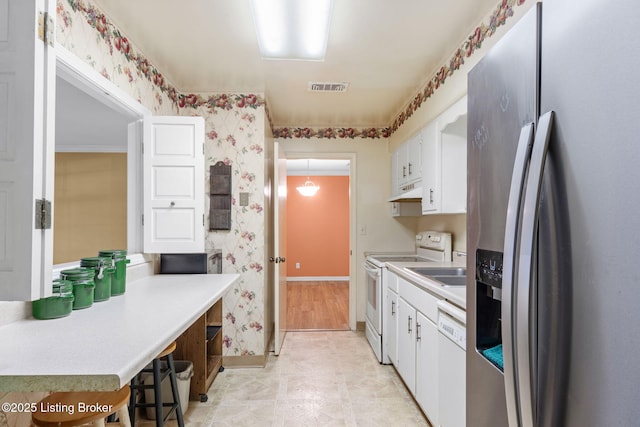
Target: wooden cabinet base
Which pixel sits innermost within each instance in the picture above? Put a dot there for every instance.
(202, 345)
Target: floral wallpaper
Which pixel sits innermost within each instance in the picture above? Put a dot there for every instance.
(236, 136)
(235, 128)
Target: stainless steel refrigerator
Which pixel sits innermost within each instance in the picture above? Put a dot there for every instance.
(553, 311)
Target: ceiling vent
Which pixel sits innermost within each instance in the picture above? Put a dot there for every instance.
(328, 87)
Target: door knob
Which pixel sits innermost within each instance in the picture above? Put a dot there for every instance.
(282, 259)
(272, 259)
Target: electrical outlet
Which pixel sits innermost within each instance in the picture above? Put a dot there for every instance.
(244, 199)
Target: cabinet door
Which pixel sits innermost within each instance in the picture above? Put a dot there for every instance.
(407, 344)
(427, 367)
(395, 187)
(414, 158)
(173, 184)
(390, 327)
(431, 164)
(402, 171)
(454, 166)
(27, 101)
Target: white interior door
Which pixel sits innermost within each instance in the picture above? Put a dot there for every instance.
(173, 177)
(27, 108)
(279, 246)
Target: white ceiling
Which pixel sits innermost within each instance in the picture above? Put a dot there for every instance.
(387, 50)
(317, 167)
(85, 124)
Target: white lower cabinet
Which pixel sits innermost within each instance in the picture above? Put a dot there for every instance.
(427, 367)
(417, 345)
(390, 317)
(390, 327)
(407, 344)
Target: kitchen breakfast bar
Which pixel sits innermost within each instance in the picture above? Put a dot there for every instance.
(102, 347)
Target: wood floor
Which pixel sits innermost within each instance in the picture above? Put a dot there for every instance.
(318, 306)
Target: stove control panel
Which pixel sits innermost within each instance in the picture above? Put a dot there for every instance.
(433, 240)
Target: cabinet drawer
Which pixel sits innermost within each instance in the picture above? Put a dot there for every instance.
(420, 299)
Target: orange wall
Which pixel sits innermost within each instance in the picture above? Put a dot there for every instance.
(318, 227)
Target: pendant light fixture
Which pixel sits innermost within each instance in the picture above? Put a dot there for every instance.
(309, 189)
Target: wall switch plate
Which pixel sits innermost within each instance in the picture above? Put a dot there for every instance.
(244, 199)
(298, 265)
(363, 229)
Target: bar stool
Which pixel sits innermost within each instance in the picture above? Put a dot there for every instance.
(70, 409)
(158, 375)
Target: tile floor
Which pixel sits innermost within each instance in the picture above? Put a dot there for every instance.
(319, 379)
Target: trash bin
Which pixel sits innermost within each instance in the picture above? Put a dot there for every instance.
(184, 372)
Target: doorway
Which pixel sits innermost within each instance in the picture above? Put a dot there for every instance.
(98, 121)
(319, 244)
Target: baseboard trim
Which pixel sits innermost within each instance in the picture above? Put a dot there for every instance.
(361, 326)
(317, 278)
(244, 361)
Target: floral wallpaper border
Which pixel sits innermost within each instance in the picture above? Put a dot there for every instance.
(115, 40)
(473, 42)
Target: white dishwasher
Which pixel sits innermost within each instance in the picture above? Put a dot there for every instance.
(452, 341)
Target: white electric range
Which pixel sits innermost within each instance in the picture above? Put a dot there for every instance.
(431, 246)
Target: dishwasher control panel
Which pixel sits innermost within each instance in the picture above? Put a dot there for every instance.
(452, 329)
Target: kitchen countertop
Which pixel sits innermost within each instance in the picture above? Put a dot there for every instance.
(455, 294)
(102, 347)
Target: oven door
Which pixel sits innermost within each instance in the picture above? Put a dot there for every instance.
(374, 296)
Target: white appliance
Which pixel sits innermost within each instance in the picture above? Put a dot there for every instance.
(431, 246)
(553, 205)
(452, 343)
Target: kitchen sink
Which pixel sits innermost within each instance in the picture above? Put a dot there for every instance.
(451, 280)
(456, 276)
(437, 271)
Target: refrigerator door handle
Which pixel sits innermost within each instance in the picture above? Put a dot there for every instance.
(523, 154)
(525, 310)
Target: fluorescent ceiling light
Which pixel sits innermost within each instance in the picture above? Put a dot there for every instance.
(292, 29)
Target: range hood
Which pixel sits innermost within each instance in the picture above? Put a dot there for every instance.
(414, 194)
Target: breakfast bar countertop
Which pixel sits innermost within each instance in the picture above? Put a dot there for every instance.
(102, 347)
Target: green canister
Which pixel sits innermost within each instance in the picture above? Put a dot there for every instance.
(103, 269)
(120, 261)
(57, 305)
(83, 285)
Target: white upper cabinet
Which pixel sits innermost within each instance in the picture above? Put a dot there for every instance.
(173, 184)
(27, 100)
(406, 167)
(445, 162)
(414, 159)
(431, 177)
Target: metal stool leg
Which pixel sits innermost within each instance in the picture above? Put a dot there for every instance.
(157, 392)
(132, 400)
(174, 390)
